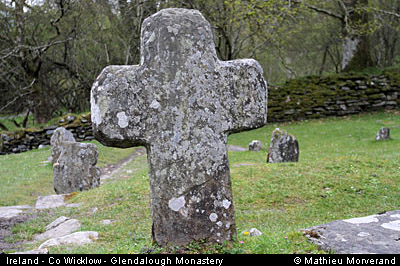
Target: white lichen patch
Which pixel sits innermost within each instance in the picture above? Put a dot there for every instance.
(122, 120)
(213, 217)
(363, 220)
(155, 105)
(95, 112)
(226, 203)
(176, 204)
(393, 225)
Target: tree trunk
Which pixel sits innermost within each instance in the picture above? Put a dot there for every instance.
(42, 109)
(356, 52)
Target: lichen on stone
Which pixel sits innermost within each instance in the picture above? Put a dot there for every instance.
(181, 103)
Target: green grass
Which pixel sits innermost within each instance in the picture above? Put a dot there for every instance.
(25, 176)
(342, 173)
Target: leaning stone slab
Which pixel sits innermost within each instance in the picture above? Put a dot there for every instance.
(76, 169)
(60, 134)
(374, 234)
(60, 227)
(76, 239)
(283, 147)
(181, 102)
(383, 134)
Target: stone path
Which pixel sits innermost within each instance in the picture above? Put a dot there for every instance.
(374, 234)
(61, 231)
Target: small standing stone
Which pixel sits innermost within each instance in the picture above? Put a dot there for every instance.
(60, 134)
(283, 148)
(76, 168)
(383, 134)
(255, 145)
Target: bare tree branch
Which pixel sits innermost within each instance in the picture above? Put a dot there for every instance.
(396, 15)
(19, 96)
(320, 10)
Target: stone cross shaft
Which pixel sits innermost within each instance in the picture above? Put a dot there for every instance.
(181, 102)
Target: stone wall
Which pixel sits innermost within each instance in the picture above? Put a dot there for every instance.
(299, 99)
(317, 97)
(28, 139)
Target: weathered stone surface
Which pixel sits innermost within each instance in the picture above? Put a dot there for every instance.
(181, 103)
(9, 212)
(59, 135)
(283, 147)
(76, 169)
(49, 201)
(77, 239)
(60, 227)
(255, 145)
(383, 134)
(377, 234)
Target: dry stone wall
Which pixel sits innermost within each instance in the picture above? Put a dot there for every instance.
(318, 97)
(28, 139)
(300, 99)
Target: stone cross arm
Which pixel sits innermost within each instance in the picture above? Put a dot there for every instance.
(230, 98)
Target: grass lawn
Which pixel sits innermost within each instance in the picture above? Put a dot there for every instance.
(342, 173)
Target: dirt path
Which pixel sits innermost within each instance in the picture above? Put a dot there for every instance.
(109, 171)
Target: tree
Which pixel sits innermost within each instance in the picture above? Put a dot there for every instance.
(353, 17)
(26, 42)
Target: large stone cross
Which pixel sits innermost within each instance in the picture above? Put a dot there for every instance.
(181, 103)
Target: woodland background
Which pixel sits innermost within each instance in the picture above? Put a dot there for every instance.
(51, 51)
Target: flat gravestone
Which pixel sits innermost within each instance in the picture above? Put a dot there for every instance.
(377, 234)
(181, 103)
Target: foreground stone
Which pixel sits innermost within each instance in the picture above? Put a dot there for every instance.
(10, 212)
(77, 239)
(283, 147)
(181, 103)
(60, 135)
(383, 134)
(49, 201)
(374, 234)
(76, 169)
(60, 227)
(53, 201)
